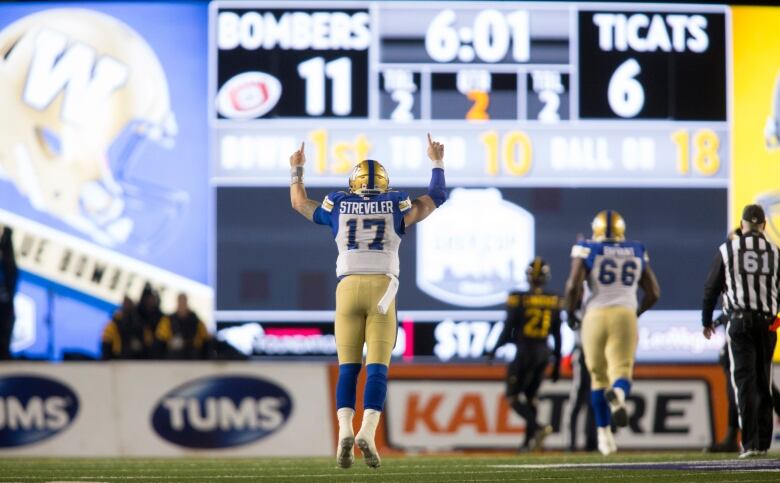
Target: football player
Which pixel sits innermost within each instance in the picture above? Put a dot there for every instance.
(610, 269)
(367, 222)
(531, 317)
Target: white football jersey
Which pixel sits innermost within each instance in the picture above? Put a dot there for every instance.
(614, 269)
(367, 230)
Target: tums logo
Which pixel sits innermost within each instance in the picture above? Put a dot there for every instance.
(248, 95)
(220, 412)
(34, 408)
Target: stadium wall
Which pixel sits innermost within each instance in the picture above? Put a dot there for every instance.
(462, 407)
(286, 409)
(168, 409)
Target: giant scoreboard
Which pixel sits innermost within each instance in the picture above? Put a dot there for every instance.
(549, 112)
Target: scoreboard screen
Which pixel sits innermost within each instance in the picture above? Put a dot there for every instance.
(549, 112)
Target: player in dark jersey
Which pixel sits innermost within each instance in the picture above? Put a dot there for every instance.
(531, 317)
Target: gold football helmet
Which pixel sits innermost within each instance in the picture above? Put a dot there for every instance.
(608, 225)
(80, 92)
(538, 271)
(368, 177)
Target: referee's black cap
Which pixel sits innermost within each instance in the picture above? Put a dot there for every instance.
(753, 214)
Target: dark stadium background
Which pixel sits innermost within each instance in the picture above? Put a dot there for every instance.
(270, 258)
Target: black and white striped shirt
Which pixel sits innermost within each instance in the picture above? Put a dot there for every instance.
(746, 271)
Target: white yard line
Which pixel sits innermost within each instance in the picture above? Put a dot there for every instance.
(378, 474)
(715, 464)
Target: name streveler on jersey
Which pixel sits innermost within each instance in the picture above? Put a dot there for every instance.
(363, 207)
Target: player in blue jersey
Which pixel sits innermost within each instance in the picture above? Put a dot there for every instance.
(367, 222)
(610, 270)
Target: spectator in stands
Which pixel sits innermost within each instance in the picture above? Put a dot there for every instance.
(9, 276)
(125, 336)
(149, 308)
(182, 335)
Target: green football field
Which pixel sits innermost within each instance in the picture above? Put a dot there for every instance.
(670, 467)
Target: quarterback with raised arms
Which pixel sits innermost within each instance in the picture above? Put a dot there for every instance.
(367, 221)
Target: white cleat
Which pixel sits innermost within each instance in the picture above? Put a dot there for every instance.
(368, 448)
(616, 399)
(750, 453)
(345, 456)
(606, 442)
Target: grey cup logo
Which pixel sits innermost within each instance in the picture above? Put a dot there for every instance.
(34, 408)
(474, 249)
(220, 412)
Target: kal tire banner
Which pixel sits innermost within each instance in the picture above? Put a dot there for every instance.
(463, 407)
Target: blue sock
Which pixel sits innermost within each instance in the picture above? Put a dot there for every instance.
(623, 384)
(346, 387)
(600, 408)
(376, 387)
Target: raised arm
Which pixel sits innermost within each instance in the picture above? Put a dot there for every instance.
(300, 202)
(437, 189)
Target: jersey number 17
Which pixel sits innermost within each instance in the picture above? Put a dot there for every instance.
(368, 224)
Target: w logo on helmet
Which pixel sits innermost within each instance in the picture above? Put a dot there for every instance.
(84, 80)
(86, 93)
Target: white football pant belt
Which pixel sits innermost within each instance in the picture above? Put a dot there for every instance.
(387, 298)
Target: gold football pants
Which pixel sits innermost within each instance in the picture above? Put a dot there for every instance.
(359, 321)
(609, 339)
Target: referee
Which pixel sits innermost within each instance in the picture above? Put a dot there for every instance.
(746, 271)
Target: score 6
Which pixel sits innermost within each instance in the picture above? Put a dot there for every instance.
(625, 94)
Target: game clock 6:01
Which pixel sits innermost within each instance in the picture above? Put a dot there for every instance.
(487, 40)
(292, 63)
(652, 65)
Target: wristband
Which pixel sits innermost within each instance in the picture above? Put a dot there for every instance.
(437, 189)
(439, 163)
(296, 175)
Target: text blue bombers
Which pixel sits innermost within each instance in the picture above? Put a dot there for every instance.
(34, 408)
(221, 411)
